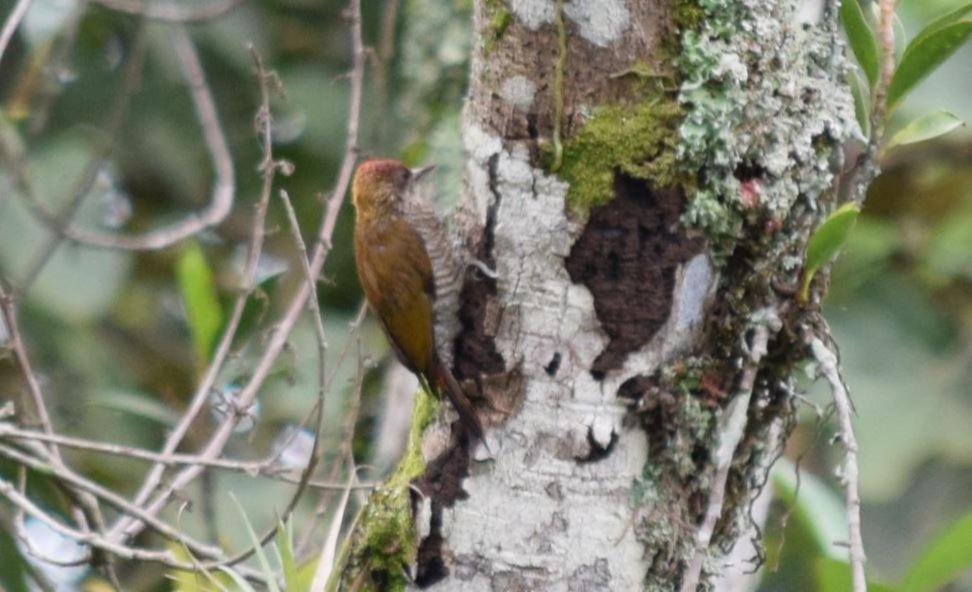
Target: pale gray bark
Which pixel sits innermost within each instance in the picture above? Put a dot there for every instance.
(603, 424)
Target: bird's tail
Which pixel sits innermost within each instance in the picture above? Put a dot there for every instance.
(444, 381)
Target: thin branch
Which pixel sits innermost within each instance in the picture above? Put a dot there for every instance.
(57, 222)
(731, 431)
(350, 420)
(266, 468)
(277, 340)
(314, 307)
(879, 108)
(20, 529)
(264, 123)
(111, 498)
(224, 184)
(16, 343)
(829, 365)
(11, 24)
(84, 507)
(171, 12)
(23, 503)
(58, 63)
(201, 395)
(38, 577)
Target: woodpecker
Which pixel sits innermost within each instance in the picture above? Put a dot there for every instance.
(407, 267)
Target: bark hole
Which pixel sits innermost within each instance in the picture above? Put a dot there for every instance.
(627, 257)
(597, 451)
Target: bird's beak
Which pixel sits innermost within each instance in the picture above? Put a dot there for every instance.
(420, 172)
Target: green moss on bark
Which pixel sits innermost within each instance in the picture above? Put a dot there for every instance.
(384, 540)
(499, 20)
(636, 140)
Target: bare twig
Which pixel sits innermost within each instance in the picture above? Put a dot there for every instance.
(312, 305)
(201, 395)
(23, 503)
(58, 63)
(84, 508)
(266, 467)
(347, 438)
(829, 366)
(11, 24)
(59, 221)
(110, 497)
(731, 430)
(277, 340)
(171, 12)
(16, 343)
(864, 168)
(315, 309)
(314, 458)
(6, 524)
(224, 185)
(879, 108)
(20, 528)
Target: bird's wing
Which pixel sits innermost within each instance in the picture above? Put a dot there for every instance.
(396, 275)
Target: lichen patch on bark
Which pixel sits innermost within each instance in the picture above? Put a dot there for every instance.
(764, 94)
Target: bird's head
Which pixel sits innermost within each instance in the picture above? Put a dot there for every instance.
(382, 183)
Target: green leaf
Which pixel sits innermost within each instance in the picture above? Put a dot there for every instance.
(826, 241)
(861, 38)
(945, 558)
(198, 289)
(239, 580)
(201, 580)
(834, 575)
(257, 548)
(862, 108)
(328, 557)
(305, 574)
(942, 22)
(923, 55)
(285, 552)
(926, 127)
(137, 404)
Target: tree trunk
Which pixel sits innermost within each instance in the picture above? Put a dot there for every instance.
(642, 175)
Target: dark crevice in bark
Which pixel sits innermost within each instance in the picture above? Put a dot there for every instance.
(476, 353)
(476, 361)
(430, 567)
(627, 257)
(597, 451)
(441, 484)
(634, 388)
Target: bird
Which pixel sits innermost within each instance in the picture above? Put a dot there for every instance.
(407, 269)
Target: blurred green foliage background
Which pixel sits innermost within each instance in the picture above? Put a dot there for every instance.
(119, 354)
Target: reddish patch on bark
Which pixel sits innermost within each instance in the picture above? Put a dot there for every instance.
(749, 193)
